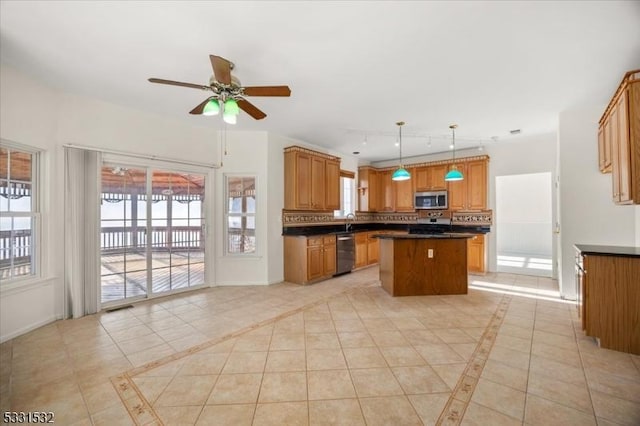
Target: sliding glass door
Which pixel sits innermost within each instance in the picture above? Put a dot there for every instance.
(152, 232)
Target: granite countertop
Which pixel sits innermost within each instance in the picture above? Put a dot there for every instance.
(589, 249)
(423, 236)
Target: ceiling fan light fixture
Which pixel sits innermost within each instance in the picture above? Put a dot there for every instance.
(230, 118)
(212, 107)
(231, 107)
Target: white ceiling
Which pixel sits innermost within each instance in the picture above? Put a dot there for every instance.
(354, 68)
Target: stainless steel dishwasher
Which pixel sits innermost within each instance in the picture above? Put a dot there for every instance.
(345, 253)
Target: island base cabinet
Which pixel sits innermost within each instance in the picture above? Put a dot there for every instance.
(611, 300)
(415, 267)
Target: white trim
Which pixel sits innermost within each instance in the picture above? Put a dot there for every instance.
(257, 254)
(143, 156)
(30, 327)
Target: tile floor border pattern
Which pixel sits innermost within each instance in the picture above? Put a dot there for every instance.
(143, 414)
(455, 407)
(136, 404)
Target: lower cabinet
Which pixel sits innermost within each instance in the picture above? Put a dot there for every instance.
(309, 259)
(610, 297)
(373, 248)
(361, 250)
(475, 254)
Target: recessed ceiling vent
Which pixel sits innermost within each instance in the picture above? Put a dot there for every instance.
(515, 131)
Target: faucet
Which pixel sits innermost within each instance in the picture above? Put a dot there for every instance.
(348, 225)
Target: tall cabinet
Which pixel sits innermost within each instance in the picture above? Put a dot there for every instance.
(311, 180)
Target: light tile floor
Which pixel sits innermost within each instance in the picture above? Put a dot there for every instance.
(337, 352)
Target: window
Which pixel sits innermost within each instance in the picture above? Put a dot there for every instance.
(347, 194)
(241, 215)
(18, 213)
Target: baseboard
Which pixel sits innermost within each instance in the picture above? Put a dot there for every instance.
(28, 328)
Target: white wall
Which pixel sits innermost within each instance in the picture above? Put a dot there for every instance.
(587, 214)
(89, 122)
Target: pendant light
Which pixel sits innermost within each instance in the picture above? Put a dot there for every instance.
(454, 174)
(401, 173)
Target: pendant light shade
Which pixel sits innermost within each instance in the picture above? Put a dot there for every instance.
(454, 174)
(401, 173)
(231, 111)
(212, 107)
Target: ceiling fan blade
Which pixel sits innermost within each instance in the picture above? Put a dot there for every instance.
(251, 109)
(267, 91)
(198, 110)
(221, 69)
(178, 83)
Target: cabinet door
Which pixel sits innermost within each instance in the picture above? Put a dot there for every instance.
(475, 254)
(436, 177)
(404, 194)
(604, 151)
(387, 193)
(332, 184)
(421, 179)
(476, 185)
(329, 264)
(317, 187)
(374, 191)
(620, 128)
(361, 250)
(372, 249)
(458, 190)
(299, 194)
(315, 262)
(611, 133)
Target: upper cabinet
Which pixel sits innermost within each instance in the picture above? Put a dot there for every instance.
(311, 180)
(619, 140)
(470, 193)
(378, 193)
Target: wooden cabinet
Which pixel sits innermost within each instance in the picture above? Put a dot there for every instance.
(619, 140)
(475, 254)
(329, 256)
(610, 298)
(368, 189)
(332, 185)
(387, 196)
(373, 248)
(604, 148)
(361, 250)
(430, 178)
(403, 192)
(309, 259)
(311, 180)
(470, 193)
(421, 179)
(377, 192)
(436, 177)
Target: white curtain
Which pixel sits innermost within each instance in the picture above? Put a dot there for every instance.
(82, 232)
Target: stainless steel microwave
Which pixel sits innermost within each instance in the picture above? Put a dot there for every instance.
(431, 200)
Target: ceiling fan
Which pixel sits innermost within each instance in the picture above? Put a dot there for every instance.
(228, 94)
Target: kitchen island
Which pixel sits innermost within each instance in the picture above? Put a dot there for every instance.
(417, 264)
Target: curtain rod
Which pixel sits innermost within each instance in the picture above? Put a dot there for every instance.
(147, 157)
